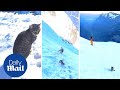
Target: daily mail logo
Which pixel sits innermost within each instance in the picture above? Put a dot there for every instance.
(15, 66)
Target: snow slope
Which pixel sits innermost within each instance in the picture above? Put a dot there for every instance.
(74, 16)
(51, 68)
(60, 22)
(11, 25)
(96, 61)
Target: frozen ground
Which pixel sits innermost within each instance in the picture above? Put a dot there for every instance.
(10, 26)
(96, 60)
(64, 25)
(51, 43)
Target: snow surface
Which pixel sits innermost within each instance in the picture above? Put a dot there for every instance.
(96, 60)
(110, 15)
(11, 25)
(74, 16)
(51, 43)
(97, 12)
(61, 24)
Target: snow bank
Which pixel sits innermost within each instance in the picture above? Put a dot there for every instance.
(62, 25)
(96, 60)
(11, 25)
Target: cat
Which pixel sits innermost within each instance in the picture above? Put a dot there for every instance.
(24, 40)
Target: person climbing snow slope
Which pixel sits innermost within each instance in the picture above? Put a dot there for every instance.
(91, 40)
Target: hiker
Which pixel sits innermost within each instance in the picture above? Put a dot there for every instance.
(91, 40)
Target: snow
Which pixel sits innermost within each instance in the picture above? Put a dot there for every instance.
(97, 12)
(61, 24)
(110, 15)
(96, 60)
(113, 16)
(74, 16)
(51, 43)
(11, 25)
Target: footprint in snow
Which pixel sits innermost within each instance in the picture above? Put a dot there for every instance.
(37, 56)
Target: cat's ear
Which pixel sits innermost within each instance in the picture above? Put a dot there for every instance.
(31, 26)
(39, 24)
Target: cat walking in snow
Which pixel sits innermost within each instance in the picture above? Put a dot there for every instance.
(61, 50)
(112, 69)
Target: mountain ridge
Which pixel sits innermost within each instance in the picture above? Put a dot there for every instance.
(105, 28)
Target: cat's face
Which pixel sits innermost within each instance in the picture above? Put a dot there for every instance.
(35, 28)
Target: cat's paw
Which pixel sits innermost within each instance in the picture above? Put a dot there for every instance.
(30, 51)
